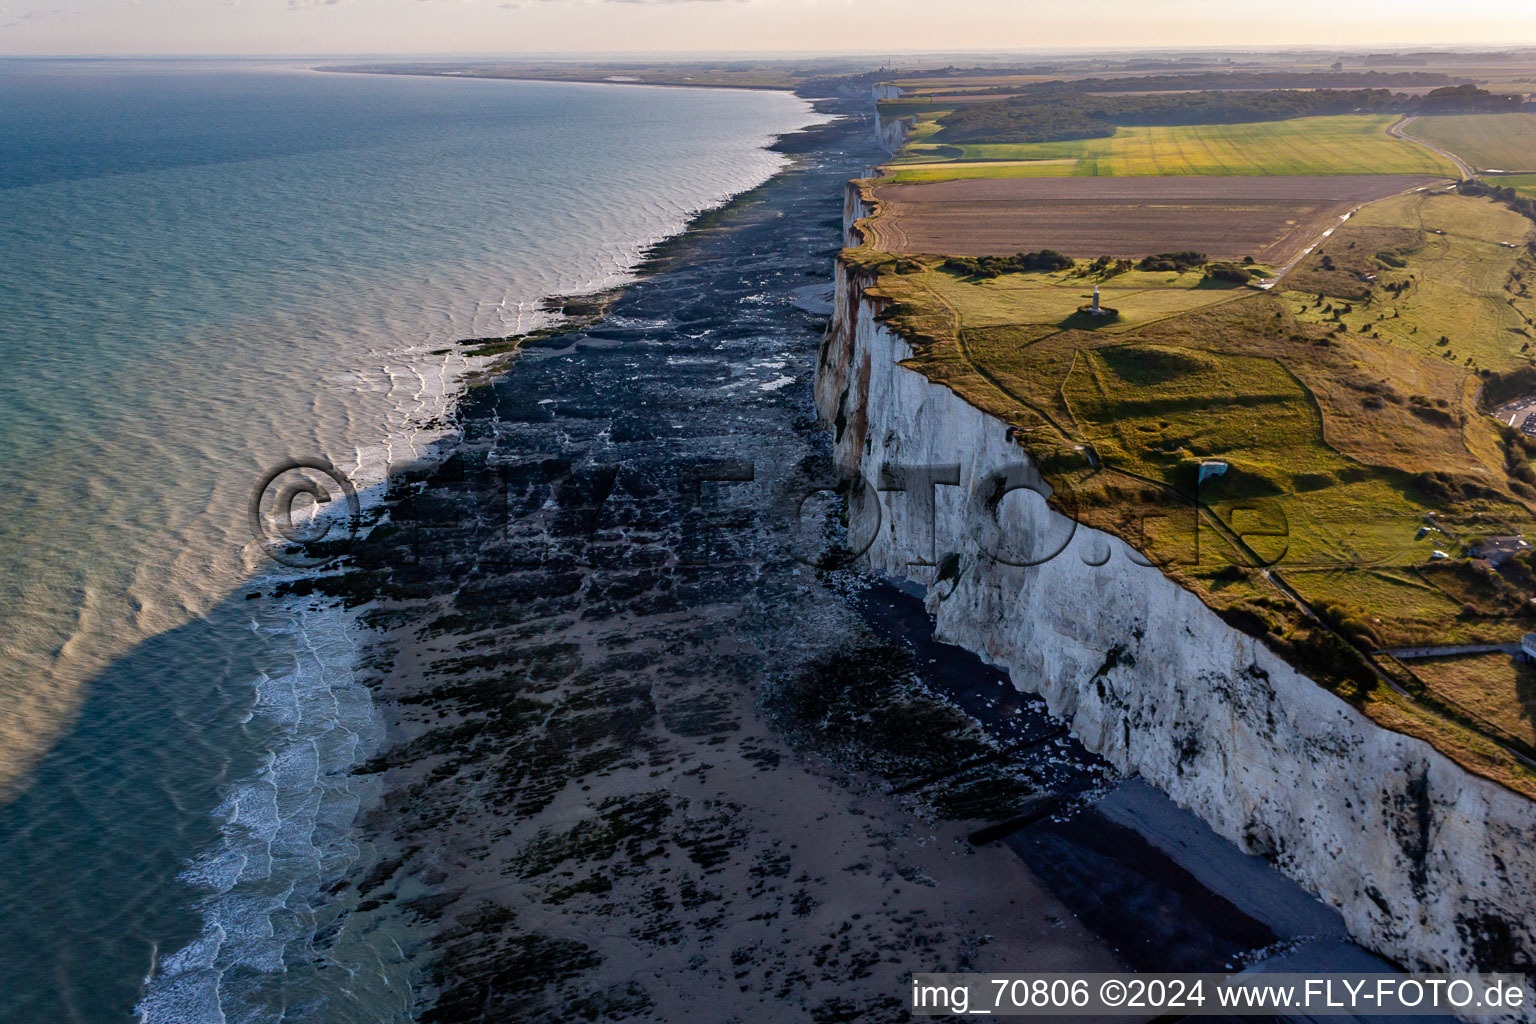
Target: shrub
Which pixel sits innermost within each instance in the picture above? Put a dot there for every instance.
(1431, 414)
(1230, 272)
(1178, 261)
(994, 266)
(1505, 387)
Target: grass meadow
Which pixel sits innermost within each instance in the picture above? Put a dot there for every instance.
(1486, 141)
(1496, 688)
(1525, 184)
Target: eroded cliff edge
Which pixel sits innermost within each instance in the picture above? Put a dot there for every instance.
(1430, 865)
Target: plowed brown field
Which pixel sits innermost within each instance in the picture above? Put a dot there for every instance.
(1268, 218)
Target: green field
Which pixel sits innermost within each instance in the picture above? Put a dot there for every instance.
(1486, 141)
(1190, 373)
(1525, 184)
(1152, 408)
(1352, 144)
(1461, 284)
(1050, 298)
(1330, 429)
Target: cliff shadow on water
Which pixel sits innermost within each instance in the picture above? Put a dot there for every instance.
(231, 736)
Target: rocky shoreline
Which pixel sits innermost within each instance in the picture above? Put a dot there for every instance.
(643, 762)
(623, 783)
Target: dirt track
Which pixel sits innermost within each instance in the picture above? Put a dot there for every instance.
(1268, 218)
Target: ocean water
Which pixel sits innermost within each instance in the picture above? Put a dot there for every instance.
(206, 268)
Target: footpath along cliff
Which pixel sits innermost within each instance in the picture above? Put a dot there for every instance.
(1429, 865)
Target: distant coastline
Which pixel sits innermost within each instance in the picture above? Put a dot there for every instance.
(523, 76)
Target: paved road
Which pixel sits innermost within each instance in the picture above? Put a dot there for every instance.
(1449, 651)
(1280, 272)
(1397, 132)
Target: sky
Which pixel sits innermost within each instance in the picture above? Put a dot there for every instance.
(587, 26)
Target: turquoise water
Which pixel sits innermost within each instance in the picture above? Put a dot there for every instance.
(208, 268)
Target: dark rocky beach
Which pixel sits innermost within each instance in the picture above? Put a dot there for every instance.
(646, 764)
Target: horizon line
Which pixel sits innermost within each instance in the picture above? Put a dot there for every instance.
(780, 54)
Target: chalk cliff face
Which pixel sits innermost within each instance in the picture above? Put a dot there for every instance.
(855, 209)
(891, 132)
(1429, 865)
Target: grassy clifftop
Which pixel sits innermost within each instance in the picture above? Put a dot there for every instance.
(1343, 405)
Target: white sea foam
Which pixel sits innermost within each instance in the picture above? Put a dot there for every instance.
(284, 834)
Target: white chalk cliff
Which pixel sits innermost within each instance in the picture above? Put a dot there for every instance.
(891, 132)
(1429, 865)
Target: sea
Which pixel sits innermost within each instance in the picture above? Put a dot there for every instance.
(208, 268)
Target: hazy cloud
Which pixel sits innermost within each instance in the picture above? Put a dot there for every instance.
(885, 26)
(49, 15)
